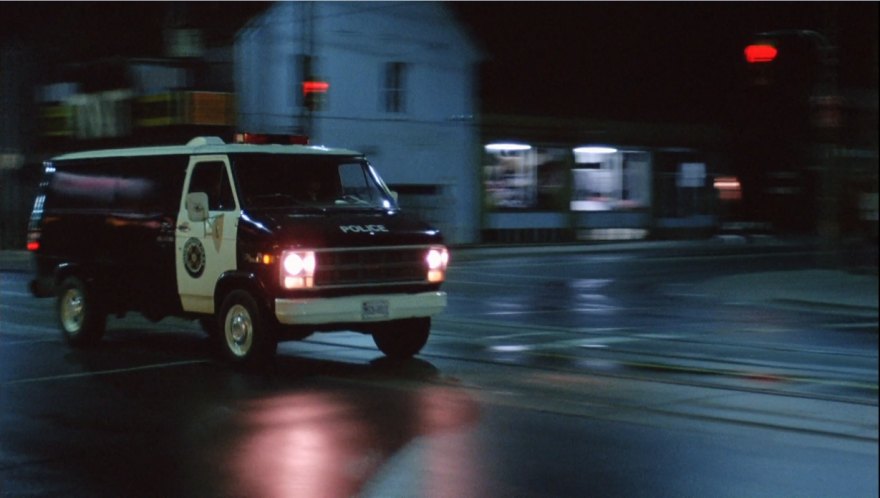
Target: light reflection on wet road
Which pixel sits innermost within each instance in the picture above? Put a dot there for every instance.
(564, 375)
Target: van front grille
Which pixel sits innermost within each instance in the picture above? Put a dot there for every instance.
(370, 266)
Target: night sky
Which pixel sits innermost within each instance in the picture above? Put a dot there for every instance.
(655, 61)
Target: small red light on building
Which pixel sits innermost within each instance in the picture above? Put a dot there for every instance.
(315, 87)
(760, 53)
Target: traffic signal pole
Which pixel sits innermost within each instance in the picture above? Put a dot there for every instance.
(771, 57)
(824, 114)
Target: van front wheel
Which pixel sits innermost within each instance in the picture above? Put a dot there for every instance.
(80, 315)
(402, 339)
(246, 337)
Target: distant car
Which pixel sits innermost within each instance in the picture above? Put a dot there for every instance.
(262, 243)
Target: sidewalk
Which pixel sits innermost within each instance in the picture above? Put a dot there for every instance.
(838, 290)
(824, 290)
(854, 293)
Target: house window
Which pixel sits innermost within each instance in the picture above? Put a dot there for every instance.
(394, 88)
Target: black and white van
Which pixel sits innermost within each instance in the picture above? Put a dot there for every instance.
(260, 242)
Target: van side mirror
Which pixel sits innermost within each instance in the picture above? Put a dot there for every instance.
(394, 195)
(197, 206)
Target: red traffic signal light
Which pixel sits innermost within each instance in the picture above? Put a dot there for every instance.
(760, 53)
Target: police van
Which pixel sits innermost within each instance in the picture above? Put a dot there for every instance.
(260, 241)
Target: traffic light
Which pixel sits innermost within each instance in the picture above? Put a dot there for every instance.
(789, 61)
(760, 53)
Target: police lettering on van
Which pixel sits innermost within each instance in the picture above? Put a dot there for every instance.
(260, 243)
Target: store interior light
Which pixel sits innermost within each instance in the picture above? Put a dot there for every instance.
(595, 150)
(507, 147)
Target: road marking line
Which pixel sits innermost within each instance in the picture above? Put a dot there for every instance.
(590, 309)
(513, 336)
(27, 341)
(102, 372)
(490, 284)
(15, 293)
(463, 321)
(604, 341)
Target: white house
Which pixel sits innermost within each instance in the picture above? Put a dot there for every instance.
(402, 88)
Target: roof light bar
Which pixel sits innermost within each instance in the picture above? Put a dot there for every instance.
(267, 138)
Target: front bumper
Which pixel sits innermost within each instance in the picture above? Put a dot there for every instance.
(359, 309)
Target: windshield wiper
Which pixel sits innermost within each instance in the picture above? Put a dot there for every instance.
(352, 199)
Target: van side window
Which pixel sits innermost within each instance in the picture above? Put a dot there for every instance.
(80, 185)
(150, 184)
(354, 181)
(211, 178)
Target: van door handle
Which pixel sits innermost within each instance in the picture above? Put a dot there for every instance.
(183, 227)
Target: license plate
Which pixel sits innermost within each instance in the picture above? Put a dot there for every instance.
(374, 310)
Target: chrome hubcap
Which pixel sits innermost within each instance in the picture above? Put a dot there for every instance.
(72, 310)
(239, 330)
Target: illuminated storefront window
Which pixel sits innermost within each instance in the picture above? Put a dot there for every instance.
(525, 177)
(607, 179)
(518, 176)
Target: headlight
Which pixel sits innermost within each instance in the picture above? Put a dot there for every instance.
(437, 260)
(298, 269)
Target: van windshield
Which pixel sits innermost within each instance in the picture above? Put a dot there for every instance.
(335, 182)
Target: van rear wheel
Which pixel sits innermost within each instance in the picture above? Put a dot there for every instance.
(403, 339)
(80, 316)
(246, 337)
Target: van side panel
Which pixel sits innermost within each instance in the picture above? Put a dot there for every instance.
(72, 228)
(113, 219)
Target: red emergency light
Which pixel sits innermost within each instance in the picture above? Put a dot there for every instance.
(760, 53)
(268, 138)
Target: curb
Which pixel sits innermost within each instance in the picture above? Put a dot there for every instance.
(827, 306)
(470, 252)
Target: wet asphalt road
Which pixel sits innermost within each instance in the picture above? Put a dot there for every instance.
(549, 375)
